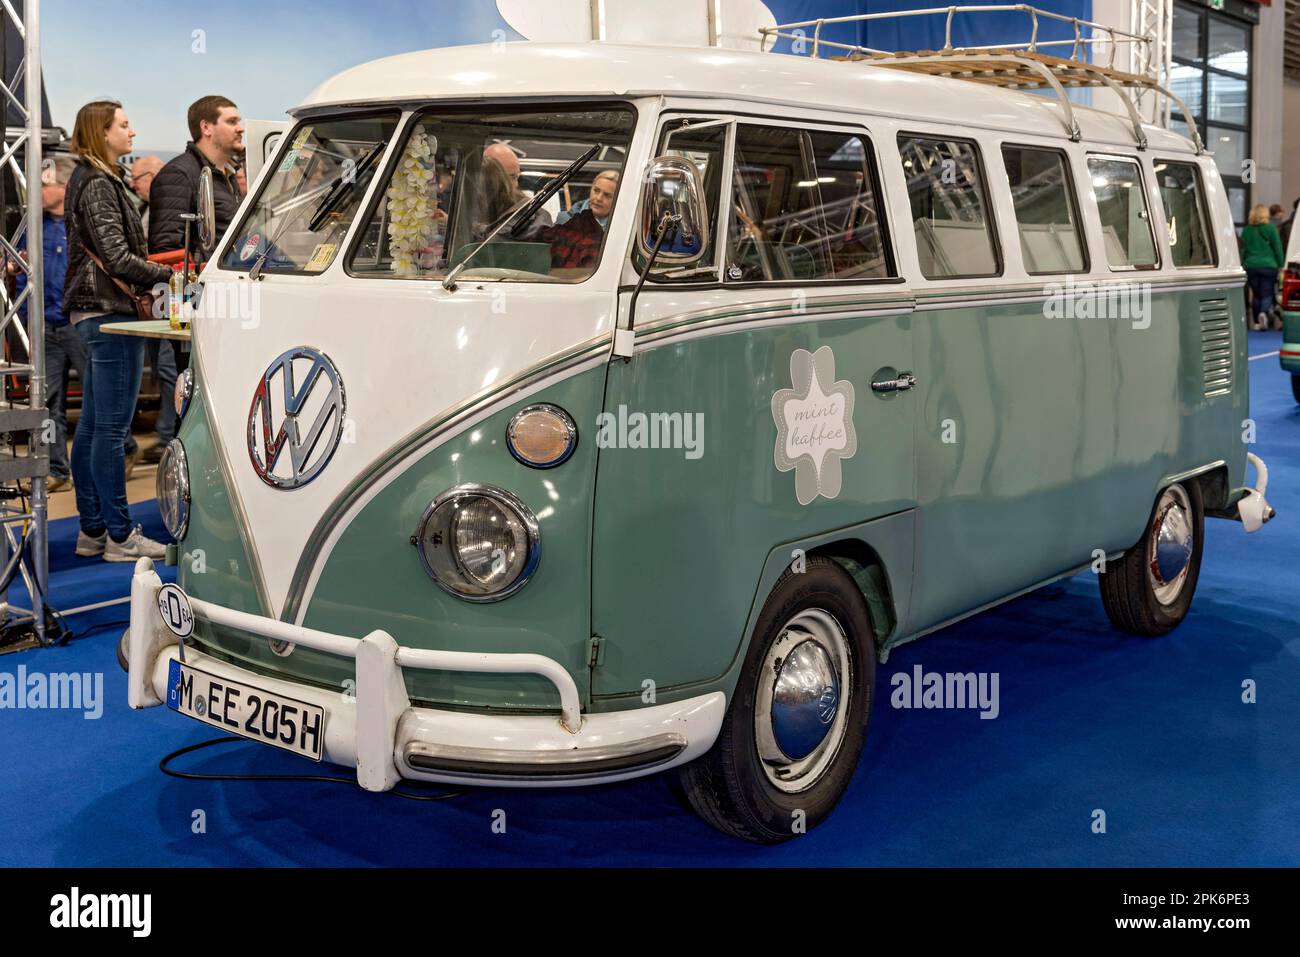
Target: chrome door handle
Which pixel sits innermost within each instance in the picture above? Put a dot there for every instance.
(904, 382)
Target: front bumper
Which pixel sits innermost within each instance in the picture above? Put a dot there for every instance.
(378, 731)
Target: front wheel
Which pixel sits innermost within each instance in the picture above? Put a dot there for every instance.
(1148, 590)
(1295, 386)
(796, 724)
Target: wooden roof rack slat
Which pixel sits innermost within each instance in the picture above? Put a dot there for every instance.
(1017, 65)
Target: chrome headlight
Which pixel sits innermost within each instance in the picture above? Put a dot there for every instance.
(184, 391)
(478, 542)
(541, 436)
(173, 488)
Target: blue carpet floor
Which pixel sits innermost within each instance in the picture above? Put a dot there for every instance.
(1153, 733)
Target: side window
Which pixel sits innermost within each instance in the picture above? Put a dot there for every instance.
(1122, 206)
(1046, 216)
(1184, 204)
(804, 207)
(950, 210)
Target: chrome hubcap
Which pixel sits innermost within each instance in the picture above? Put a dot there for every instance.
(1170, 545)
(803, 696)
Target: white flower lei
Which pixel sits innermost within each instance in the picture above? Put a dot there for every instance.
(411, 205)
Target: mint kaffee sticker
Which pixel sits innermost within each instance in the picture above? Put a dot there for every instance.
(814, 425)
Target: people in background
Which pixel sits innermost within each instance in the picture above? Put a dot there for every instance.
(143, 171)
(1277, 214)
(1284, 231)
(217, 136)
(606, 199)
(1262, 257)
(106, 259)
(575, 243)
(499, 156)
(217, 140)
(63, 347)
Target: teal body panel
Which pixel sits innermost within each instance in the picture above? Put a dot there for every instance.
(1289, 356)
(1064, 431)
(374, 579)
(213, 562)
(681, 544)
(1041, 440)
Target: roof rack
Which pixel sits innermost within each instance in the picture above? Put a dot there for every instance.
(1017, 65)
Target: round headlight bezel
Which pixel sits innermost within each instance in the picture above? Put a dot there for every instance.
(175, 514)
(184, 392)
(447, 570)
(566, 423)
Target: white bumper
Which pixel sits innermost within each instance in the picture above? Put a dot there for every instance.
(379, 732)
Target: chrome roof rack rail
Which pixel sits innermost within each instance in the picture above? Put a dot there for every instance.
(1017, 65)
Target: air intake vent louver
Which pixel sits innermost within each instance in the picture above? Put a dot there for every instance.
(1216, 346)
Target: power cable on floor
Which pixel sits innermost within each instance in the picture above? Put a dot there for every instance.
(226, 739)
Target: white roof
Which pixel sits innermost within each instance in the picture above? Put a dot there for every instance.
(597, 69)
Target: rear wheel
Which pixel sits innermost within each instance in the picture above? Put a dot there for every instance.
(795, 726)
(1149, 589)
(1295, 386)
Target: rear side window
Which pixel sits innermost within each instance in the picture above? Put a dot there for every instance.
(950, 209)
(804, 207)
(1046, 216)
(1122, 206)
(1184, 204)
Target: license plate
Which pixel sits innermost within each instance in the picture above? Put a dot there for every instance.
(247, 711)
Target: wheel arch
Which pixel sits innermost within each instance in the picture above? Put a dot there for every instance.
(878, 557)
(869, 574)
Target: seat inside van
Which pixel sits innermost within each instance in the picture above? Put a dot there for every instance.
(950, 247)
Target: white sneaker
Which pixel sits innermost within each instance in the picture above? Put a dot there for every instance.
(135, 546)
(88, 547)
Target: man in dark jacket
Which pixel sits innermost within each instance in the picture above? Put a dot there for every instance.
(218, 136)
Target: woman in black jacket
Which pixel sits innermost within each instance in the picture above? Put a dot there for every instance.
(102, 220)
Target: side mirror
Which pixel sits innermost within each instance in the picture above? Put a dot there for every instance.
(672, 187)
(206, 212)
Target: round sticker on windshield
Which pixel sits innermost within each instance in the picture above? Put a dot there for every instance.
(250, 247)
(175, 609)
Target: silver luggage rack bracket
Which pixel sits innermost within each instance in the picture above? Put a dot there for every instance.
(1016, 65)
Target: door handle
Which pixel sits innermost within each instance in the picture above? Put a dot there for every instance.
(904, 382)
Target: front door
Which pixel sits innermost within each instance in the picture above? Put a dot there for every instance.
(746, 416)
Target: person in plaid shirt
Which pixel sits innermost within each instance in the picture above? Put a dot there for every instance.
(575, 243)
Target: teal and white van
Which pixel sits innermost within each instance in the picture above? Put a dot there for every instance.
(467, 494)
(1289, 306)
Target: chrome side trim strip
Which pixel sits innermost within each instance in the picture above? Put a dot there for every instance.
(761, 315)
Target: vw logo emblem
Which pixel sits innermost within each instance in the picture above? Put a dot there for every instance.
(296, 419)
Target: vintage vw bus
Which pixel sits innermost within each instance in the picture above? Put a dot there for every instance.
(1289, 306)
(475, 487)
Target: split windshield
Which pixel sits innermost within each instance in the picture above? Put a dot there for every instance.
(311, 196)
(464, 196)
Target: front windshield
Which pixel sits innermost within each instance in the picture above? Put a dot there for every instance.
(461, 177)
(310, 198)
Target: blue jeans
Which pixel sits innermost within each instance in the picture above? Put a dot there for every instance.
(109, 394)
(63, 350)
(163, 353)
(1262, 283)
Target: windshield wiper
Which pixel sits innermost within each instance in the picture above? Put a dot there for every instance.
(528, 209)
(344, 187)
(337, 188)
